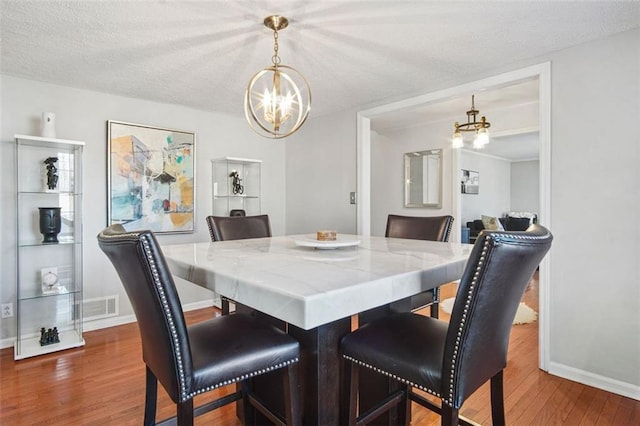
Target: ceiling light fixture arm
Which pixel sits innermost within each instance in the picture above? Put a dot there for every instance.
(472, 125)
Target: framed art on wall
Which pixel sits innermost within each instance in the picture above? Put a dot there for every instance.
(470, 182)
(151, 177)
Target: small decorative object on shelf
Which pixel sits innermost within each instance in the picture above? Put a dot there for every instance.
(48, 129)
(236, 184)
(49, 277)
(49, 337)
(50, 223)
(52, 172)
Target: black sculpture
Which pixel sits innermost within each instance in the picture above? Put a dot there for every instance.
(236, 184)
(52, 175)
(50, 336)
(50, 223)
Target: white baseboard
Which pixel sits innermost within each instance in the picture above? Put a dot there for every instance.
(115, 321)
(597, 381)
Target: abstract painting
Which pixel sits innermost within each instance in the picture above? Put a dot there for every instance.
(151, 178)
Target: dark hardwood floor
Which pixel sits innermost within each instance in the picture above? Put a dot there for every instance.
(103, 384)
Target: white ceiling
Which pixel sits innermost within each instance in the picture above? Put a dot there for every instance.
(519, 147)
(354, 53)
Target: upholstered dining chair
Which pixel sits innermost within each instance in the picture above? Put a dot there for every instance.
(191, 360)
(452, 360)
(431, 228)
(223, 228)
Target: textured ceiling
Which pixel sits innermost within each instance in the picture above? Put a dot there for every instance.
(354, 53)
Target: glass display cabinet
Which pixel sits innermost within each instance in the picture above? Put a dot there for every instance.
(49, 245)
(236, 185)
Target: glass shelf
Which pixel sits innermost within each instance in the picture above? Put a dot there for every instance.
(38, 294)
(61, 241)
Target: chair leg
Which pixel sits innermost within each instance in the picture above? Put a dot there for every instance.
(150, 399)
(449, 415)
(185, 413)
(497, 399)
(225, 306)
(404, 408)
(435, 312)
(247, 409)
(291, 400)
(353, 393)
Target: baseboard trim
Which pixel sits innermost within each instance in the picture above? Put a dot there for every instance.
(597, 381)
(115, 321)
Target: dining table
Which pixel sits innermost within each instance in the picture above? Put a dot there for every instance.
(317, 291)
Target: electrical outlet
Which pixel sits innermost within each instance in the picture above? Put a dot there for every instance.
(7, 310)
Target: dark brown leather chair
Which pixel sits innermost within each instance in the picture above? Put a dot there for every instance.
(431, 228)
(191, 360)
(223, 228)
(452, 360)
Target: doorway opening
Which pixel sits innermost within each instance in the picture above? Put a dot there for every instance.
(541, 73)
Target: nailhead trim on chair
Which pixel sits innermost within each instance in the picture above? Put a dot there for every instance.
(243, 377)
(476, 274)
(481, 263)
(474, 281)
(393, 376)
(156, 279)
(210, 230)
(163, 299)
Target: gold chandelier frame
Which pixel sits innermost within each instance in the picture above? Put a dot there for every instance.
(271, 112)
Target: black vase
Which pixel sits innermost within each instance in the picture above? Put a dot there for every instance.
(50, 223)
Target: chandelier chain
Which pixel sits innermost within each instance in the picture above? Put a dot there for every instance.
(275, 58)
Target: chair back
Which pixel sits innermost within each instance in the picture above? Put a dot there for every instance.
(222, 228)
(144, 273)
(495, 277)
(431, 228)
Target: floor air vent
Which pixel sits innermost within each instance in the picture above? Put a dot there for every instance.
(100, 307)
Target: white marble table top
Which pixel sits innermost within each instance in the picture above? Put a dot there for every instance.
(308, 287)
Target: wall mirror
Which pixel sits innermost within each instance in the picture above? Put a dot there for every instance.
(423, 179)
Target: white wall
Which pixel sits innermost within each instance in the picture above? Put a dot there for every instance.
(595, 311)
(525, 186)
(321, 160)
(82, 115)
(387, 171)
(494, 194)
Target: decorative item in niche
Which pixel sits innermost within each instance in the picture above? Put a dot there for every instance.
(151, 177)
(52, 173)
(48, 125)
(50, 223)
(470, 182)
(236, 184)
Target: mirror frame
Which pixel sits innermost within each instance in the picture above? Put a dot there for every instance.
(407, 177)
